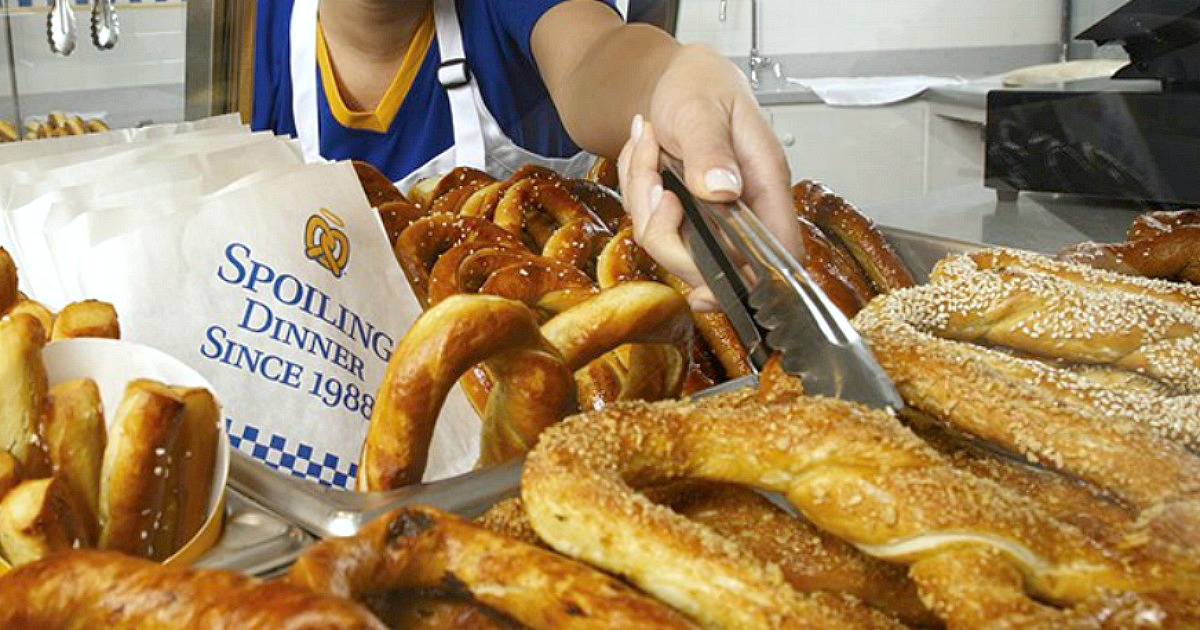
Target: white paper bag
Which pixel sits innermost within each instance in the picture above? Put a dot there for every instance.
(286, 296)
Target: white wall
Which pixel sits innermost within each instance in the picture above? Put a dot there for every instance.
(831, 26)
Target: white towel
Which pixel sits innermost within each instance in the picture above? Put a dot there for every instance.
(868, 91)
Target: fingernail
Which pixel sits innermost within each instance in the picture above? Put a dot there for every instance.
(702, 303)
(722, 180)
(656, 195)
(635, 131)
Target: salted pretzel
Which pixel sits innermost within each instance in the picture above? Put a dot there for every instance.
(534, 209)
(604, 172)
(600, 199)
(419, 246)
(1054, 417)
(459, 177)
(531, 386)
(93, 589)
(377, 187)
(1172, 254)
(855, 473)
(858, 233)
(578, 243)
(1160, 221)
(396, 216)
(423, 548)
(526, 280)
(460, 270)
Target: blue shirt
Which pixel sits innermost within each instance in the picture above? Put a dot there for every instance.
(496, 38)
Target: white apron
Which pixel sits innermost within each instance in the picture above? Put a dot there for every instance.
(478, 139)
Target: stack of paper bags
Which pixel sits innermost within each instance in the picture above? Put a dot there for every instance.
(271, 277)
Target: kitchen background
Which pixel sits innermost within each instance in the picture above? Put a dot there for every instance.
(868, 153)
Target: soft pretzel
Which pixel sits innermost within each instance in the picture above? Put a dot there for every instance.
(604, 172)
(413, 611)
(600, 199)
(578, 243)
(396, 216)
(193, 459)
(89, 318)
(8, 282)
(855, 473)
(811, 560)
(459, 177)
(1173, 254)
(93, 589)
(531, 387)
(1160, 221)
(133, 483)
(527, 279)
(39, 517)
(10, 472)
(378, 188)
(419, 246)
(856, 231)
(977, 587)
(828, 267)
(422, 548)
(538, 208)
(75, 437)
(23, 389)
(1053, 417)
(1080, 275)
(459, 270)
(454, 200)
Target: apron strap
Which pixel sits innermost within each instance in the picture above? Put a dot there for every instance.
(623, 9)
(303, 60)
(454, 74)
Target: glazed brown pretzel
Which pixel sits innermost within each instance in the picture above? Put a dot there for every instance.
(422, 548)
(832, 270)
(856, 232)
(1158, 222)
(93, 589)
(1172, 254)
(423, 242)
(538, 208)
(531, 387)
(378, 188)
(854, 473)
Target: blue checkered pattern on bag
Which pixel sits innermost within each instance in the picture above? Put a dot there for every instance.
(295, 458)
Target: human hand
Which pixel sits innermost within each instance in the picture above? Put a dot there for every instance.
(703, 112)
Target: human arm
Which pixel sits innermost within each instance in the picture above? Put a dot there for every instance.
(602, 74)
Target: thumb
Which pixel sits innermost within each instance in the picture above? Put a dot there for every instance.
(704, 143)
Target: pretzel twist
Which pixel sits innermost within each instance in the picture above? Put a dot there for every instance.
(810, 560)
(93, 589)
(832, 270)
(538, 208)
(604, 172)
(1172, 254)
(376, 186)
(854, 473)
(1090, 278)
(422, 548)
(396, 216)
(858, 233)
(1161, 221)
(419, 246)
(1053, 417)
(531, 387)
(601, 200)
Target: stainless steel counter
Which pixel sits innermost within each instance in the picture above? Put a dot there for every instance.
(1038, 222)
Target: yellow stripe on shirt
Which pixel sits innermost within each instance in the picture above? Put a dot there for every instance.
(380, 119)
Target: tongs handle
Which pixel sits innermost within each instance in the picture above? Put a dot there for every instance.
(722, 274)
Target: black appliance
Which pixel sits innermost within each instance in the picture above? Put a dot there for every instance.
(1136, 136)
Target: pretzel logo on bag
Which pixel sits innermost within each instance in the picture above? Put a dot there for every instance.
(325, 244)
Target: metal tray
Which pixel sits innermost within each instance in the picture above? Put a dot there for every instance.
(327, 512)
(254, 541)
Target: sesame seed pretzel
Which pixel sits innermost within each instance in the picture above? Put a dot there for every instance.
(855, 473)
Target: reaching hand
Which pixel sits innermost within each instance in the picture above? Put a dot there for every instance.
(703, 112)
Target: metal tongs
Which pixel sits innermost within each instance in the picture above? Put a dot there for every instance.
(60, 26)
(773, 303)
